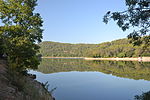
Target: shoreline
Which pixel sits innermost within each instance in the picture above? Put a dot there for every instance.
(65, 57)
(17, 87)
(141, 59)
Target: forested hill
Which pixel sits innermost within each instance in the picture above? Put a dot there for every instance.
(56, 49)
(117, 48)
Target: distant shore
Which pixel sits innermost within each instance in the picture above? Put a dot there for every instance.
(66, 57)
(143, 59)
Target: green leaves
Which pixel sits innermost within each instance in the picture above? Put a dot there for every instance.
(21, 31)
(117, 48)
(137, 15)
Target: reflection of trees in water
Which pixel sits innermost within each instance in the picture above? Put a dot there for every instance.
(134, 70)
(144, 96)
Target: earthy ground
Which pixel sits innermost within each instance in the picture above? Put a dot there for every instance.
(33, 90)
(7, 91)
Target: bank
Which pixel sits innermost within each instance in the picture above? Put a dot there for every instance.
(143, 59)
(18, 87)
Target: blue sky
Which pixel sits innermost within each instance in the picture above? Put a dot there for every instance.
(79, 21)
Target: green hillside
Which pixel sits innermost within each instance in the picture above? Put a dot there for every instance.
(117, 48)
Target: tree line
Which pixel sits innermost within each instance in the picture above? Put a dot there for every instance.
(117, 48)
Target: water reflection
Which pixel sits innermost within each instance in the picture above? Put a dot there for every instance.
(143, 96)
(132, 70)
(78, 79)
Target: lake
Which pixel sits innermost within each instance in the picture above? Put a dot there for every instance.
(78, 79)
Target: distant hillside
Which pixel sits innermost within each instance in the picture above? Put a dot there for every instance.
(117, 48)
(54, 49)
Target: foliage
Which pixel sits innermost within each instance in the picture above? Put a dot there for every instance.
(144, 96)
(136, 15)
(26, 87)
(17, 79)
(117, 48)
(1, 47)
(20, 31)
(56, 49)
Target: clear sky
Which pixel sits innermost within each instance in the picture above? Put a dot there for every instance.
(79, 21)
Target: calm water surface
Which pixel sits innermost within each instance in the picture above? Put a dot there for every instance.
(77, 79)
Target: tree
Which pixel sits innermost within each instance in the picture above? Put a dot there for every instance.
(20, 31)
(136, 15)
(143, 96)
